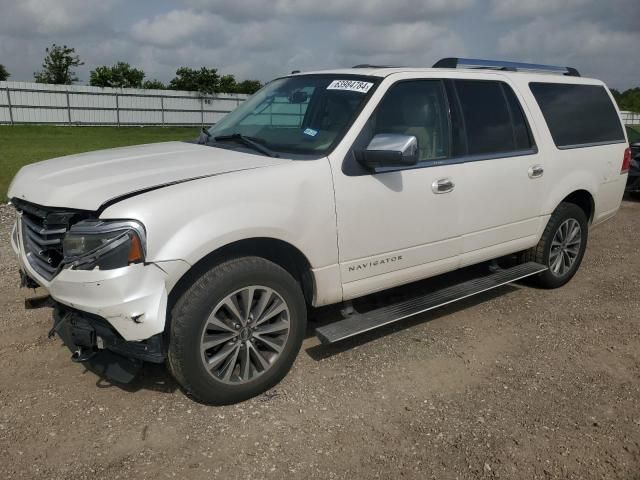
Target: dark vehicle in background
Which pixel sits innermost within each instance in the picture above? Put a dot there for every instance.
(633, 180)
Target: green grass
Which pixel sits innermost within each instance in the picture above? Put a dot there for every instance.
(24, 144)
(635, 135)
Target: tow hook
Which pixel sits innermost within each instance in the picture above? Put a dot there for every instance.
(82, 355)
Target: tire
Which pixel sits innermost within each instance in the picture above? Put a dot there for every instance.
(201, 318)
(570, 215)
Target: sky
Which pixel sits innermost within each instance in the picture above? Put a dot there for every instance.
(262, 39)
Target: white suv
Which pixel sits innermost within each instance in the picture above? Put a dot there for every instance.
(321, 188)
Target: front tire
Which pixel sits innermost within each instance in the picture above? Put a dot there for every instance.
(236, 331)
(561, 247)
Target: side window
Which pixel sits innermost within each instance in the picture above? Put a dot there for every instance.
(578, 115)
(416, 108)
(487, 117)
(521, 132)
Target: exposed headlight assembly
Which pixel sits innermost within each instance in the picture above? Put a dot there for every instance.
(104, 244)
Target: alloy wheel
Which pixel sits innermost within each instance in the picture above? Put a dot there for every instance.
(565, 247)
(245, 334)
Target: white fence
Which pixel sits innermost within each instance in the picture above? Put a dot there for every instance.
(630, 118)
(22, 102)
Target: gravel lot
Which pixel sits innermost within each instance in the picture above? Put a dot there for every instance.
(521, 383)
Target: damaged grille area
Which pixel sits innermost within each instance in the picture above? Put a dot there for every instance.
(43, 229)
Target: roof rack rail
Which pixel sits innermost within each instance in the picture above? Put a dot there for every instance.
(366, 65)
(500, 65)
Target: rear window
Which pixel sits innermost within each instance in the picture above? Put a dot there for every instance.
(493, 119)
(486, 117)
(578, 115)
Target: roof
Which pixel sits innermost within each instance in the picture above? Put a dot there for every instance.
(437, 72)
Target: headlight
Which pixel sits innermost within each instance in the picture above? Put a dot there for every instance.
(104, 244)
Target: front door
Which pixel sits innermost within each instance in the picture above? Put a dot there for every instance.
(399, 226)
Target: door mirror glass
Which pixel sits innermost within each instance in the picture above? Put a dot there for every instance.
(389, 150)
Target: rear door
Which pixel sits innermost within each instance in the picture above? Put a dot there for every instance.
(504, 172)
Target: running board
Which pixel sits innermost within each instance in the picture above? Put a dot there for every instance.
(363, 322)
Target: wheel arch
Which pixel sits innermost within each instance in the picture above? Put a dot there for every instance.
(584, 200)
(278, 251)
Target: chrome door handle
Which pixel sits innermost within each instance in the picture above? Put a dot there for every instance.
(443, 185)
(535, 171)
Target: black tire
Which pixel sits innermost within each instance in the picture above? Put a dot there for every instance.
(190, 314)
(541, 252)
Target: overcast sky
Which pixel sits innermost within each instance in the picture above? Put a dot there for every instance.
(263, 39)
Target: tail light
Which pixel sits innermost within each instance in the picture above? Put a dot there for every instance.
(626, 161)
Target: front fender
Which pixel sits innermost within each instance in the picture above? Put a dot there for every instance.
(292, 202)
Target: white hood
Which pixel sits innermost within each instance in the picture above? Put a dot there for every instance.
(88, 180)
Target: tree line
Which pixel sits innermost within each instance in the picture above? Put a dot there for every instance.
(60, 62)
(628, 100)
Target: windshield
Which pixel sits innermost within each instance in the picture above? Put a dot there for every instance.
(306, 114)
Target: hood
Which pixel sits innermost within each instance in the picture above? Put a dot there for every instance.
(88, 180)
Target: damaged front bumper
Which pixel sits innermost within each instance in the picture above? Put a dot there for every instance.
(133, 299)
(112, 320)
(96, 344)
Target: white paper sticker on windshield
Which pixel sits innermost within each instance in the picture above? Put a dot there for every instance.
(351, 85)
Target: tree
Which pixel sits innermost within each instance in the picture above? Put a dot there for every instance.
(120, 75)
(3, 73)
(153, 84)
(248, 86)
(58, 64)
(205, 80)
(228, 84)
(628, 100)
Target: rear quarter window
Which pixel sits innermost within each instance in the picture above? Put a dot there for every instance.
(578, 115)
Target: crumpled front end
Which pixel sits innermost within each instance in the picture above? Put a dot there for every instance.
(100, 314)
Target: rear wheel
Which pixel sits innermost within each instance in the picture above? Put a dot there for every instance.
(561, 246)
(236, 332)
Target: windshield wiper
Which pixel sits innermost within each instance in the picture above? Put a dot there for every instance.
(247, 141)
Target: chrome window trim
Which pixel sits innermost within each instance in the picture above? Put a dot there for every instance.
(592, 144)
(460, 159)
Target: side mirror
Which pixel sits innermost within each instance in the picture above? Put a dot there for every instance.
(389, 150)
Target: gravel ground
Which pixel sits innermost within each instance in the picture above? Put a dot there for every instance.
(521, 383)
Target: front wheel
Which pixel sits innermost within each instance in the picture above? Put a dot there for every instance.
(236, 332)
(561, 246)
